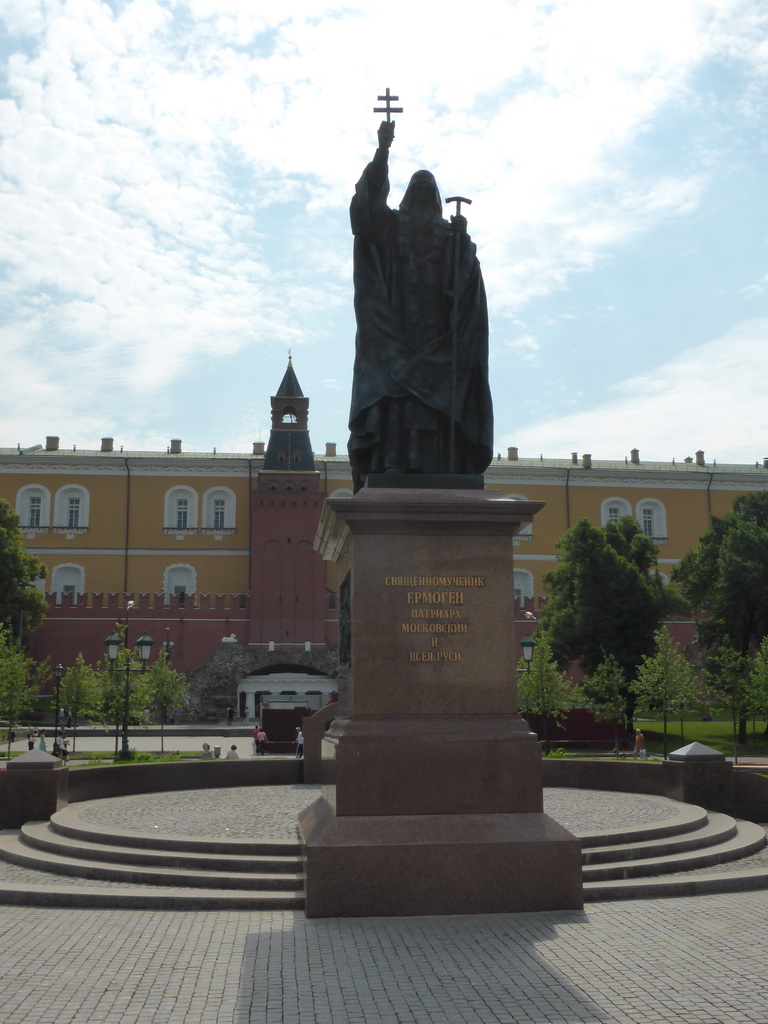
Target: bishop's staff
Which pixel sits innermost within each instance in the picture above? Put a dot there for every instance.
(455, 318)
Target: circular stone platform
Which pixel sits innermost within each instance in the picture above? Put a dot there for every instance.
(269, 812)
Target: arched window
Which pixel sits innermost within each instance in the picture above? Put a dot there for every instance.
(71, 509)
(612, 509)
(180, 511)
(33, 507)
(67, 580)
(523, 584)
(289, 415)
(219, 509)
(652, 517)
(178, 581)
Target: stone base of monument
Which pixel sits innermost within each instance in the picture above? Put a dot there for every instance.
(432, 800)
(400, 865)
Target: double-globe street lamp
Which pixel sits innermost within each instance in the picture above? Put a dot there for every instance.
(113, 644)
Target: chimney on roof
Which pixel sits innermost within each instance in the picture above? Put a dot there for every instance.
(175, 446)
(258, 447)
(330, 449)
(512, 454)
(51, 444)
(688, 460)
(107, 444)
(574, 458)
(586, 461)
(700, 458)
(635, 457)
(765, 463)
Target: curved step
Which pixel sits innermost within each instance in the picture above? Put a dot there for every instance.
(718, 828)
(686, 818)
(68, 822)
(748, 839)
(154, 898)
(743, 880)
(41, 835)
(14, 850)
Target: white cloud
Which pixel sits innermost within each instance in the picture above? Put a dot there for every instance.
(174, 177)
(711, 397)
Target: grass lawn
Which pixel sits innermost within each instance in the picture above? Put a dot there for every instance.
(717, 734)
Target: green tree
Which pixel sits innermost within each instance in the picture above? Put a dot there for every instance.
(605, 694)
(80, 694)
(607, 596)
(20, 683)
(727, 673)
(725, 577)
(666, 682)
(21, 603)
(164, 689)
(757, 684)
(542, 689)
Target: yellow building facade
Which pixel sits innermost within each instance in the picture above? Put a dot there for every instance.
(111, 521)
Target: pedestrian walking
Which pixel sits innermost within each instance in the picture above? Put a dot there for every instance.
(299, 742)
(261, 739)
(639, 750)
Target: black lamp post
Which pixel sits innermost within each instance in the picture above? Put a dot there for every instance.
(113, 643)
(58, 673)
(528, 643)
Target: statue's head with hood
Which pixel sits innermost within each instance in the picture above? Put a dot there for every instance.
(422, 190)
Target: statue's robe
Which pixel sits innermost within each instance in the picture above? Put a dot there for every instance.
(403, 375)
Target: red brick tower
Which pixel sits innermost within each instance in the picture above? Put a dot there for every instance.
(288, 599)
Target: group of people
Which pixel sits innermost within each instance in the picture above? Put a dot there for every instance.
(246, 716)
(60, 746)
(259, 741)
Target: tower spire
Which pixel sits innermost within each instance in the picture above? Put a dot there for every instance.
(289, 448)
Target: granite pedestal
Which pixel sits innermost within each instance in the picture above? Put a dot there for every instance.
(432, 799)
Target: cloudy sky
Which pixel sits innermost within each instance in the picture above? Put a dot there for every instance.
(174, 185)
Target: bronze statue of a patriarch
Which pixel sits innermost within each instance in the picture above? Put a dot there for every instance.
(420, 396)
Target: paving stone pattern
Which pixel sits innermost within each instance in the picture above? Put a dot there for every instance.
(240, 812)
(693, 961)
(269, 812)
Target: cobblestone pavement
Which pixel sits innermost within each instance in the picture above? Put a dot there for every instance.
(269, 812)
(698, 961)
(239, 812)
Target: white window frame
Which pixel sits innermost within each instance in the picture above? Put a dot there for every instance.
(624, 507)
(210, 498)
(179, 578)
(523, 585)
(23, 507)
(61, 509)
(67, 578)
(170, 510)
(659, 515)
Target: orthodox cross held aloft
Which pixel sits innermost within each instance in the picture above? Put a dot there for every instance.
(388, 108)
